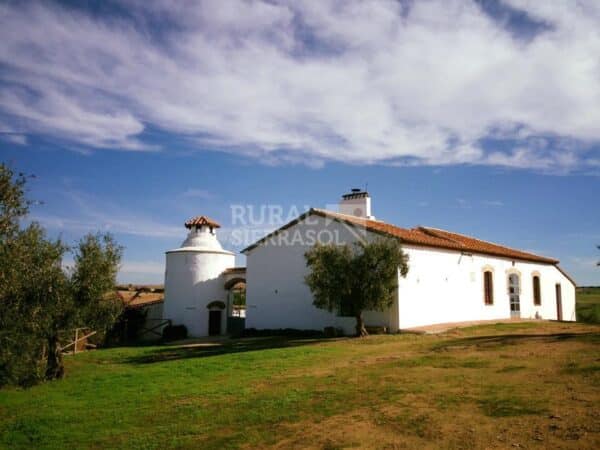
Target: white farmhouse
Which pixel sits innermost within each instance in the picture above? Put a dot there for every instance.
(201, 280)
(452, 277)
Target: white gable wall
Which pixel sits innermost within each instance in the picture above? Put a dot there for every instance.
(445, 286)
(276, 295)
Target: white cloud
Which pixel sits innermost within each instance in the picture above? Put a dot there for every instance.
(14, 138)
(131, 271)
(141, 272)
(358, 82)
(463, 203)
(8, 134)
(142, 267)
(88, 214)
(495, 203)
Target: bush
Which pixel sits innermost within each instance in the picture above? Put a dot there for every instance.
(588, 313)
(174, 332)
(290, 332)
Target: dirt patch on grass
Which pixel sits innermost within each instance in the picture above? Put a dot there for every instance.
(461, 392)
(426, 427)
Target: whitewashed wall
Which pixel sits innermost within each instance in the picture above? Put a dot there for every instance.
(441, 287)
(276, 295)
(192, 281)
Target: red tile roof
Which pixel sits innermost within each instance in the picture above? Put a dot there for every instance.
(201, 220)
(234, 270)
(433, 237)
(139, 298)
(421, 237)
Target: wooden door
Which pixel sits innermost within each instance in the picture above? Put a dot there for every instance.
(559, 315)
(214, 322)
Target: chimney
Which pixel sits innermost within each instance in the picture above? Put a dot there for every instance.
(356, 203)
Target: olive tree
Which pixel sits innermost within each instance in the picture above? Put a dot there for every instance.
(353, 279)
(40, 301)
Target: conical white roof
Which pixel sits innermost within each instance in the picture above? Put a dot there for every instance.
(201, 238)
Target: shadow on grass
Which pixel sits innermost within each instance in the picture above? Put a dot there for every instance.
(495, 341)
(206, 348)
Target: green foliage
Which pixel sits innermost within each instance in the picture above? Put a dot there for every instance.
(239, 297)
(13, 204)
(354, 279)
(33, 288)
(96, 304)
(588, 304)
(39, 301)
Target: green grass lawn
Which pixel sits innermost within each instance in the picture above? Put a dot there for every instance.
(588, 304)
(527, 384)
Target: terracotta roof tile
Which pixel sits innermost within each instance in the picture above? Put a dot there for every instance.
(433, 237)
(201, 220)
(234, 270)
(139, 299)
(422, 236)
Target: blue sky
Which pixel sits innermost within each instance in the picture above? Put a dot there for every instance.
(477, 117)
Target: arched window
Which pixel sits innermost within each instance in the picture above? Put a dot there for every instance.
(537, 292)
(488, 287)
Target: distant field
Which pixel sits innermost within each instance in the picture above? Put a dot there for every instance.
(588, 304)
(518, 385)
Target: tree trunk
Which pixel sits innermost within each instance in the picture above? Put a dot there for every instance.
(54, 365)
(361, 331)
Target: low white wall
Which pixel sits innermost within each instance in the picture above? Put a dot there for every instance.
(445, 286)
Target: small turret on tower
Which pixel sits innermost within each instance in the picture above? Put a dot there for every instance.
(202, 234)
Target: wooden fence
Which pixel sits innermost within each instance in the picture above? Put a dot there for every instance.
(80, 342)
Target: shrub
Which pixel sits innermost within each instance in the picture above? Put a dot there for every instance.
(589, 313)
(174, 332)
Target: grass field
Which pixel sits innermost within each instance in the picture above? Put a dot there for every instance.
(518, 385)
(588, 304)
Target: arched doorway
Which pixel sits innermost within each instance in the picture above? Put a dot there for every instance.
(514, 295)
(215, 317)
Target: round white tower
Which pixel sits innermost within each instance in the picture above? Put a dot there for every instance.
(194, 292)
